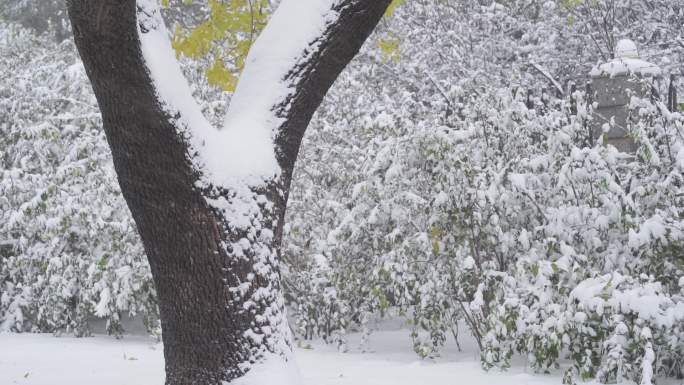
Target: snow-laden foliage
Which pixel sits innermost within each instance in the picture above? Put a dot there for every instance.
(542, 245)
(448, 178)
(47, 17)
(444, 180)
(69, 250)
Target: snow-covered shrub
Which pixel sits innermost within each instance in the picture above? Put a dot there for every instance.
(500, 218)
(457, 196)
(603, 259)
(44, 17)
(69, 248)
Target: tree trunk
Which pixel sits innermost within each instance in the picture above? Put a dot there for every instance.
(216, 271)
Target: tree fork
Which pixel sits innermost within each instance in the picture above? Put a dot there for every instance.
(218, 284)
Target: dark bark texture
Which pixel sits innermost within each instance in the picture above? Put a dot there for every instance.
(188, 243)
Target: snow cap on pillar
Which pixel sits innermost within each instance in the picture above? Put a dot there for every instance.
(626, 48)
(627, 62)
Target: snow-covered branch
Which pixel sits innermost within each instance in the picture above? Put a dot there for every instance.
(244, 147)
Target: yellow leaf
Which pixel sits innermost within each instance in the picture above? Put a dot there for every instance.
(393, 6)
(390, 49)
(435, 232)
(435, 247)
(219, 75)
(224, 38)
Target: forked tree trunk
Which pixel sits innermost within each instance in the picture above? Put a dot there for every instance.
(218, 281)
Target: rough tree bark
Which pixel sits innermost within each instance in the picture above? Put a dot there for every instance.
(217, 280)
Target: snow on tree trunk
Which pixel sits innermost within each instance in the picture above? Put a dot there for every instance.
(209, 204)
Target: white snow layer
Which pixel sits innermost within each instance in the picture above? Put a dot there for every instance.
(626, 48)
(626, 66)
(645, 300)
(244, 147)
(34, 359)
(284, 42)
(274, 369)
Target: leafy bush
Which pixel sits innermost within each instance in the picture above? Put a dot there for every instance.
(69, 247)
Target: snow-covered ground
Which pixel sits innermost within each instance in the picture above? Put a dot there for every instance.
(34, 359)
